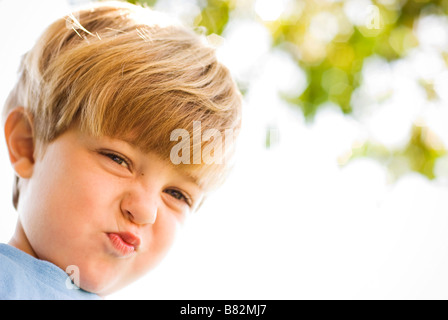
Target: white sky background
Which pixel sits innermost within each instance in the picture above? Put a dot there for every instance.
(290, 223)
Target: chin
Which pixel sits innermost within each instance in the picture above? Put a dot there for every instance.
(100, 279)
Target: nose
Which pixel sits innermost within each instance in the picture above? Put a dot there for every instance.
(140, 207)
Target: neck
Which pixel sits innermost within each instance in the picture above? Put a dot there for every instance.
(20, 241)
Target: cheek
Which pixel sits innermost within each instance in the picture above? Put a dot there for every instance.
(73, 197)
(69, 205)
(160, 238)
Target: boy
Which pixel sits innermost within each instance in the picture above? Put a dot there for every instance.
(89, 133)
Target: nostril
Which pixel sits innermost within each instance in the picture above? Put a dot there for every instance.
(151, 219)
(130, 215)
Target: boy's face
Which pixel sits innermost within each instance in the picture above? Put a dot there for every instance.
(104, 206)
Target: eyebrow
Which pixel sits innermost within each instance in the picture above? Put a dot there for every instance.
(192, 178)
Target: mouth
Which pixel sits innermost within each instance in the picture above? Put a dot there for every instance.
(124, 243)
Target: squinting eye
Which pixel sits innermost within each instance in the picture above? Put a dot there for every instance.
(178, 195)
(117, 159)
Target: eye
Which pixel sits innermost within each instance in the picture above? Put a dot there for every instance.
(179, 196)
(116, 158)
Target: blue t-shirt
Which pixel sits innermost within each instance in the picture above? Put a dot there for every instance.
(23, 277)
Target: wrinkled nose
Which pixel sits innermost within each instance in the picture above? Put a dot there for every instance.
(141, 208)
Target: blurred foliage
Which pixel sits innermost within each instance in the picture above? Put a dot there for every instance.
(215, 16)
(333, 61)
(418, 155)
(148, 3)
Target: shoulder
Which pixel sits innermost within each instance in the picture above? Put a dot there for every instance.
(23, 277)
(12, 274)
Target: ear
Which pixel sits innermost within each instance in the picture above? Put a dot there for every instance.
(19, 140)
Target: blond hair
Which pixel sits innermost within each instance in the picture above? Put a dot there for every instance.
(119, 70)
